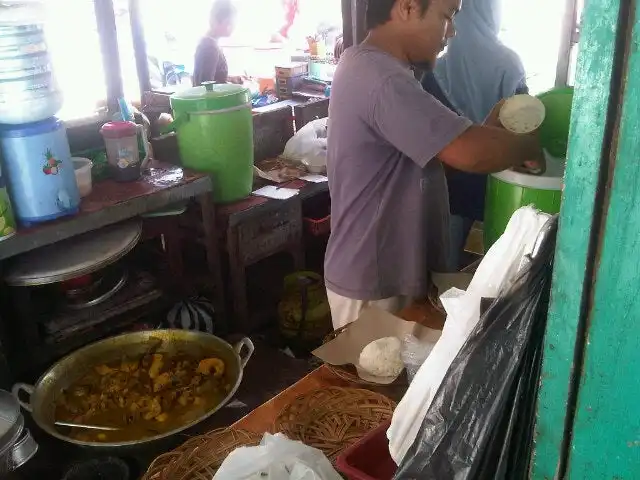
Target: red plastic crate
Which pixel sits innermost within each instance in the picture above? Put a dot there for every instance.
(369, 459)
(318, 227)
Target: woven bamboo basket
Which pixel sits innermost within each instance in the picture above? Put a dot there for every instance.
(348, 373)
(200, 457)
(333, 419)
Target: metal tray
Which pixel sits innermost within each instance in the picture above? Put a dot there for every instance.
(74, 257)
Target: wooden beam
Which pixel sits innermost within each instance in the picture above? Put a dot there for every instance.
(139, 46)
(106, 23)
(593, 117)
(109, 203)
(347, 24)
(569, 23)
(358, 20)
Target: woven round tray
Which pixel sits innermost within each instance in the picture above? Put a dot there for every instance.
(333, 418)
(348, 373)
(200, 457)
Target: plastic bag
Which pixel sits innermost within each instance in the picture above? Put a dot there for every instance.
(414, 353)
(309, 146)
(480, 423)
(497, 272)
(277, 458)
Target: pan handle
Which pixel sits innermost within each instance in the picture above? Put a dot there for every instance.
(240, 346)
(29, 389)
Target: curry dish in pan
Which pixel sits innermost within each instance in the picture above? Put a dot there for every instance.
(142, 397)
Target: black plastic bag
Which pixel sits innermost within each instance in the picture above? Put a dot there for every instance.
(480, 423)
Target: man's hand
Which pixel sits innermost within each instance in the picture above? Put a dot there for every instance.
(535, 165)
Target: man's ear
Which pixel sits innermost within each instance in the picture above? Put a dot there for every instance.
(403, 9)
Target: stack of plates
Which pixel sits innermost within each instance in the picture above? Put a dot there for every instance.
(28, 88)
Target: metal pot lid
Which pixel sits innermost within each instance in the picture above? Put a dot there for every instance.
(74, 257)
(211, 97)
(11, 421)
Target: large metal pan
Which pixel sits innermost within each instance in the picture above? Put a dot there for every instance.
(73, 367)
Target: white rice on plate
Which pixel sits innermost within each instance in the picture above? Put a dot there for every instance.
(382, 357)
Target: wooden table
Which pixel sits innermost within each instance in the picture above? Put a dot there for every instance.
(263, 417)
(256, 228)
(111, 202)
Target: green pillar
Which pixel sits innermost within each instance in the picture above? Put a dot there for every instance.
(588, 424)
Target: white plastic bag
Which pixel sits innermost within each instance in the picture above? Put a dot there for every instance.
(309, 146)
(496, 272)
(277, 458)
(414, 353)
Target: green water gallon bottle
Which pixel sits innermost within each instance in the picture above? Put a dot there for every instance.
(214, 126)
(509, 190)
(7, 220)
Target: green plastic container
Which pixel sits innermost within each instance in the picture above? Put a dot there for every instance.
(508, 191)
(215, 135)
(554, 131)
(7, 220)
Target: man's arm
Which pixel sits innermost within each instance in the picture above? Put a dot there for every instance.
(486, 149)
(422, 128)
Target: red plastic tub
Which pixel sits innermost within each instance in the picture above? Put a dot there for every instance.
(369, 459)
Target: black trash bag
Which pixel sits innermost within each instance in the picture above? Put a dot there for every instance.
(480, 423)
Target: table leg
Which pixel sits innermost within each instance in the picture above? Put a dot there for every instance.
(168, 229)
(213, 251)
(298, 254)
(237, 272)
(173, 246)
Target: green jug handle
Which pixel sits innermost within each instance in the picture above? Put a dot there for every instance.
(176, 124)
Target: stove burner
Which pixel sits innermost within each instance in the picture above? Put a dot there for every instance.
(111, 281)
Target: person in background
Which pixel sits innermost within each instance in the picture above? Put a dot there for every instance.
(290, 9)
(475, 73)
(210, 63)
(477, 70)
(431, 85)
(387, 141)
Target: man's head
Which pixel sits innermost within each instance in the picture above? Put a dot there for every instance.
(419, 28)
(222, 18)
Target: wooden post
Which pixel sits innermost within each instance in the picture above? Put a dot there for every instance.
(606, 429)
(591, 356)
(358, 20)
(354, 28)
(139, 46)
(566, 42)
(347, 25)
(106, 22)
(212, 239)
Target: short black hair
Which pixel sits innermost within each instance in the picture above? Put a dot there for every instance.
(222, 11)
(379, 11)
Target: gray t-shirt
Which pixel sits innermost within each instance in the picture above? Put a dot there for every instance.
(389, 202)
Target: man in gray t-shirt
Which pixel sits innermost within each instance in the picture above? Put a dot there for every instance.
(387, 138)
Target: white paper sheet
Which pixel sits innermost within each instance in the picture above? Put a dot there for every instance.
(271, 191)
(313, 178)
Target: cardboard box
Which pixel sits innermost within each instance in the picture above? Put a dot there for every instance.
(293, 69)
(372, 325)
